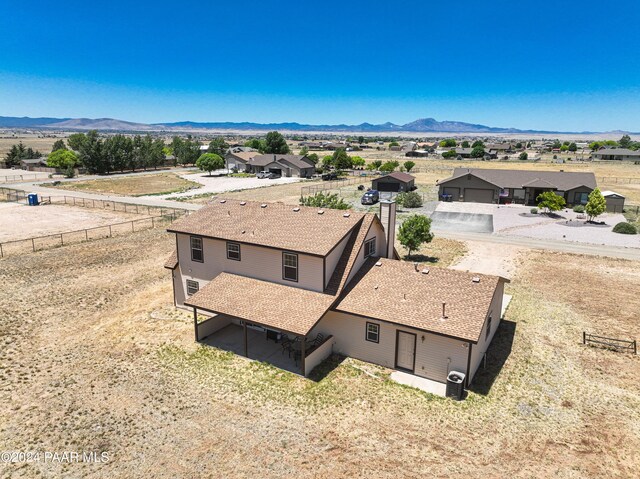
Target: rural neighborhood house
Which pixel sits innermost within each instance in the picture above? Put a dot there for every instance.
(327, 281)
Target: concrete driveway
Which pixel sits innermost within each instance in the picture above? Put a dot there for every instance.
(466, 222)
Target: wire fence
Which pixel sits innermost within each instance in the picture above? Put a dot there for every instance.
(22, 177)
(619, 180)
(20, 196)
(38, 243)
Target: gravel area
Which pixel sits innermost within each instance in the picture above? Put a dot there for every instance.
(220, 184)
(516, 220)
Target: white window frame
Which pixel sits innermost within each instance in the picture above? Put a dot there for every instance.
(192, 283)
(374, 329)
(230, 252)
(289, 257)
(368, 250)
(196, 239)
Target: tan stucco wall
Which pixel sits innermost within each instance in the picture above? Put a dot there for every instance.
(435, 355)
(256, 262)
(478, 350)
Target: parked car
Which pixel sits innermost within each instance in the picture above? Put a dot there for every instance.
(371, 197)
(267, 174)
(330, 176)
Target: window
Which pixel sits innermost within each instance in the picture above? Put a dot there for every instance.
(370, 248)
(373, 332)
(581, 198)
(233, 251)
(488, 328)
(192, 287)
(290, 266)
(196, 249)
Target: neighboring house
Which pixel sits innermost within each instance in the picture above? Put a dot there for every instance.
(282, 165)
(262, 271)
(516, 186)
(31, 164)
(417, 154)
(615, 201)
(396, 181)
(617, 154)
(499, 148)
(464, 152)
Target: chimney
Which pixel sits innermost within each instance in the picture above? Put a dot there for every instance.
(388, 219)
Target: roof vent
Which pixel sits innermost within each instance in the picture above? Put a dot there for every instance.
(263, 205)
(223, 201)
(476, 279)
(320, 212)
(425, 271)
(415, 266)
(296, 209)
(242, 203)
(244, 231)
(379, 263)
(375, 287)
(346, 215)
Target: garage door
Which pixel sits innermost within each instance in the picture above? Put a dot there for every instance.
(388, 186)
(478, 195)
(454, 192)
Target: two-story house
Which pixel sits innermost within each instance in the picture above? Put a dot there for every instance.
(322, 281)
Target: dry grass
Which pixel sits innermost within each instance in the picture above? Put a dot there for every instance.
(91, 363)
(43, 145)
(288, 193)
(134, 185)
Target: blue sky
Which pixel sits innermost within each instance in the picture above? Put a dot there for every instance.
(564, 65)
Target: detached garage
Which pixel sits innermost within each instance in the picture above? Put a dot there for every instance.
(615, 201)
(394, 182)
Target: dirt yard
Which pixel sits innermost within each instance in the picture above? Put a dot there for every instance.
(19, 221)
(287, 193)
(95, 358)
(133, 185)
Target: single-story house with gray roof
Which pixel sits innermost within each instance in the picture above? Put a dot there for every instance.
(515, 186)
(616, 154)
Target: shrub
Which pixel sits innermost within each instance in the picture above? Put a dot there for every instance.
(321, 200)
(578, 209)
(625, 228)
(409, 199)
(534, 211)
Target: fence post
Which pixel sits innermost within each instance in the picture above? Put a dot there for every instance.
(153, 223)
(110, 231)
(86, 235)
(33, 244)
(136, 209)
(1, 253)
(584, 337)
(635, 347)
(132, 227)
(61, 240)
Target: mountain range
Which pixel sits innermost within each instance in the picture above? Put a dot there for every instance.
(423, 125)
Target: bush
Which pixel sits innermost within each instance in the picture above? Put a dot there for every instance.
(625, 228)
(409, 199)
(578, 209)
(321, 200)
(534, 211)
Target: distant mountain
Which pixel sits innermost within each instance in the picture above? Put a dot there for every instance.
(423, 125)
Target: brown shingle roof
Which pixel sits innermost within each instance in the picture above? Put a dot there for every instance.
(245, 155)
(300, 161)
(172, 261)
(396, 293)
(282, 307)
(399, 175)
(276, 225)
(563, 180)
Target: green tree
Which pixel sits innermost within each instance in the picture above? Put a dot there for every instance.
(448, 143)
(303, 151)
(625, 141)
(186, 151)
(75, 141)
(408, 165)
(210, 162)
(573, 147)
(564, 148)
(550, 201)
(58, 145)
(322, 200)
(313, 157)
(62, 159)
(524, 156)
(118, 153)
(519, 145)
(91, 153)
(477, 143)
(275, 143)
(256, 144)
(409, 199)
(477, 152)
(361, 140)
(394, 143)
(449, 154)
(340, 160)
(218, 146)
(327, 160)
(376, 164)
(415, 231)
(596, 204)
(465, 144)
(357, 161)
(389, 166)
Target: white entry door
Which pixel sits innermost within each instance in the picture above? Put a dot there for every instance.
(405, 350)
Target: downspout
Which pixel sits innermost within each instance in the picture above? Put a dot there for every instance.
(467, 376)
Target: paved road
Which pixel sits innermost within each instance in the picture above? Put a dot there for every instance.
(548, 245)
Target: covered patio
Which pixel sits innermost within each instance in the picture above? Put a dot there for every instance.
(263, 321)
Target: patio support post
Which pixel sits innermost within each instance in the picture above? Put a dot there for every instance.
(246, 349)
(195, 322)
(303, 353)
